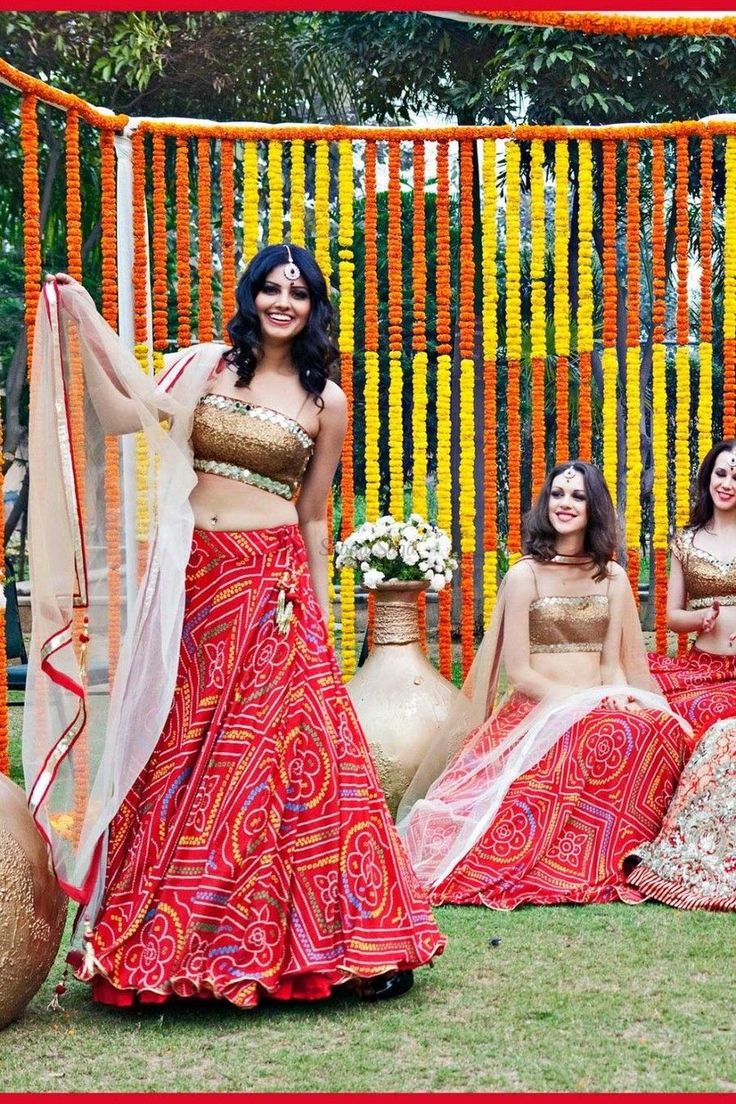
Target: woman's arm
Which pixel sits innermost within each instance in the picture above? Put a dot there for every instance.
(679, 618)
(311, 505)
(619, 593)
(520, 593)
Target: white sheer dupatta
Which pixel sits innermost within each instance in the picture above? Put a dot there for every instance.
(467, 772)
(84, 743)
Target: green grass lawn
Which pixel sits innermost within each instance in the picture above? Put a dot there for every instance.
(597, 998)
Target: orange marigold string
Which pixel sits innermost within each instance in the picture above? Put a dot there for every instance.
(140, 253)
(227, 233)
(562, 299)
(160, 281)
(31, 216)
(610, 355)
(632, 25)
(395, 336)
(183, 274)
(538, 320)
(443, 411)
(585, 300)
(729, 293)
(204, 210)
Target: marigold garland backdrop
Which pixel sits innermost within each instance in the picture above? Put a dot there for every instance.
(505, 298)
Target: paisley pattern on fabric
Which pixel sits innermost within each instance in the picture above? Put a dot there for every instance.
(255, 855)
(692, 863)
(564, 827)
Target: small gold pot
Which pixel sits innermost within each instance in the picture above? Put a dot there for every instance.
(401, 699)
(32, 907)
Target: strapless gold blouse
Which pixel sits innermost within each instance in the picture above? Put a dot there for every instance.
(706, 577)
(568, 623)
(250, 443)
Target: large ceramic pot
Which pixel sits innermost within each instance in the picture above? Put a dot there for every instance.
(32, 907)
(400, 698)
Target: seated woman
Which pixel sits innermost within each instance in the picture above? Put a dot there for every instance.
(692, 863)
(543, 797)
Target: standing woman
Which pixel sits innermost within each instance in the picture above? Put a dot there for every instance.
(538, 801)
(692, 863)
(226, 835)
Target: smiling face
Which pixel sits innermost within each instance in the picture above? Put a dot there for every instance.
(723, 481)
(282, 306)
(568, 508)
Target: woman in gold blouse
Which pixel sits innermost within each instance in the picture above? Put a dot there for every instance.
(692, 864)
(237, 844)
(542, 798)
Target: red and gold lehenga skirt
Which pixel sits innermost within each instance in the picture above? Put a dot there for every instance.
(564, 827)
(254, 856)
(692, 863)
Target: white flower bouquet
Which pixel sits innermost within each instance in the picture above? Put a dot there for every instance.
(408, 550)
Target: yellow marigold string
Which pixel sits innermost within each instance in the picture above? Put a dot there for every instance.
(585, 300)
(513, 346)
(372, 415)
(705, 380)
(659, 399)
(420, 363)
(562, 300)
(227, 233)
(466, 336)
(31, 218)
(633, 396)
(610, 357)
(395, 340)
(682, 361)
(159, 250)
(538, 323)
(322, 209)
(346, 262)
(729, 294)
(275, 192)
(183, 273)
(443, 410)
(297, 192)
(204, 213)
(322, 253)
(108, 246)
(251, 219)
(490, 414)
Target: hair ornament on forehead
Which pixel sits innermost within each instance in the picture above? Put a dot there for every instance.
(732, 462)
(569, 474)
(291, 271)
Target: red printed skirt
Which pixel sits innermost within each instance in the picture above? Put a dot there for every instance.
(564, 827)
(692, 863)
(254, 856)
(699, 686)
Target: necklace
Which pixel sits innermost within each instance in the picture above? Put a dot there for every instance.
(578, 558)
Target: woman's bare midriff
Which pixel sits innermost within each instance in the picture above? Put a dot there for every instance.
(220, 503)
(716, 641)
(581, 669)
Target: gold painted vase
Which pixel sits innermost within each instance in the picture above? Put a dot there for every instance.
(399, 696)
(32, 907)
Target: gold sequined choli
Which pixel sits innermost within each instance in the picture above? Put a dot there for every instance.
(706, 577)
(568, 623)
(251, 443)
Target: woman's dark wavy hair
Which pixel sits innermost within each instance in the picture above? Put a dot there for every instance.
(601, 536)
(313, 350)
(701, 510)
